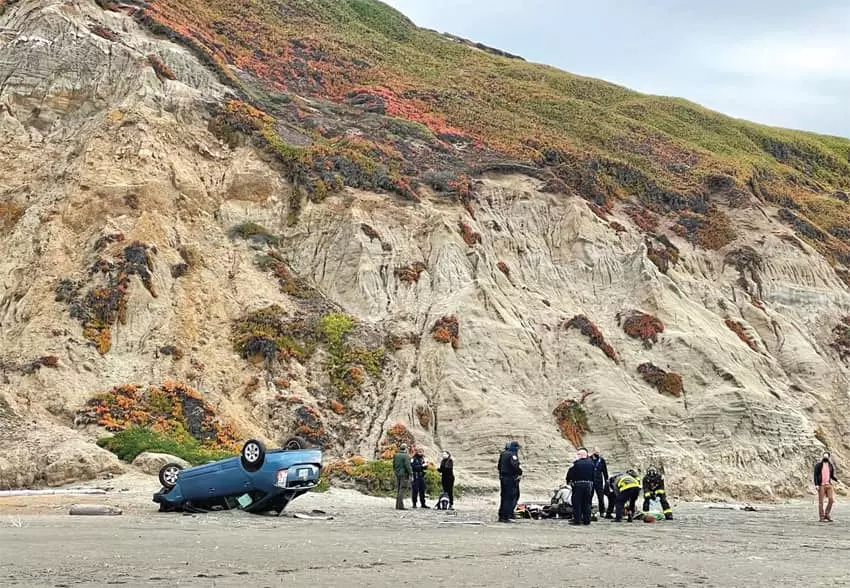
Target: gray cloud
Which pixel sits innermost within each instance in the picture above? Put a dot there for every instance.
(779, 62)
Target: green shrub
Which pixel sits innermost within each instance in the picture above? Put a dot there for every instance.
(375, 478)
(253, 232)
(323, 486)
(128, 444)
(346, 364)
(334, 327)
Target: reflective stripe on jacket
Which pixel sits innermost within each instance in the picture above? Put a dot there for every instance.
(627, 482)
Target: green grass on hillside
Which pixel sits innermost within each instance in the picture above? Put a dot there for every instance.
(601, 139)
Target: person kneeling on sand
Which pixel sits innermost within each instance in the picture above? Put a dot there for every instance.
(626, 490)
(653, 487)
(824, 477)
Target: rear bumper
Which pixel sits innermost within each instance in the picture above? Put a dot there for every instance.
(298, 486)
(302, 476)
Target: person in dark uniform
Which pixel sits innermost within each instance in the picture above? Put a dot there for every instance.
(610, 496)
(599, 479)
(653, 487)
(626, 492)
(509, 473)
(447, 477)
(418, 465)
(581, 476)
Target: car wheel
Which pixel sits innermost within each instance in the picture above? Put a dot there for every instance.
(168, 475)
(295, 443)
(253, 455)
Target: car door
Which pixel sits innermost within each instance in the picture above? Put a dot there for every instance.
(230, 479)
(194, 481)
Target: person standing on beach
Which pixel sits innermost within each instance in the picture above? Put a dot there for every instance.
(403, 471)
(824, 477)
(447, 477)
(509, 474)
(581, 476)
(419, 466)
(600, 477)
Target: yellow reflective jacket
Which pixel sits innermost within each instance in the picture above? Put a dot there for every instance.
(625, 482)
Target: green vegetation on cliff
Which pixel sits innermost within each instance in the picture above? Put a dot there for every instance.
(347, 92)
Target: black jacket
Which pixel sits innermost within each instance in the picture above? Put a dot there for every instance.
(601, 473)
(418, 466)
(819, 472)
(447, 468)
(582, 470)
(653, 483)
(509, 465)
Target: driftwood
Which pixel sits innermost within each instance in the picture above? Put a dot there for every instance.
(744, 507)
(51, 492)
(95, 510)
(308, 517)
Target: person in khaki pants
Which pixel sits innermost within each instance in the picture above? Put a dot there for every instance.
(824, 477)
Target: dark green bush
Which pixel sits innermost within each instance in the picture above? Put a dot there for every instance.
(128, 444)
(375, 478)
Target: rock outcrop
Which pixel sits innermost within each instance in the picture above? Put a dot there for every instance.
(51, 456)
(102, 151)
(150, 463)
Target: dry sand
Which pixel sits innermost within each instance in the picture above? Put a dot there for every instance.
(369, 544)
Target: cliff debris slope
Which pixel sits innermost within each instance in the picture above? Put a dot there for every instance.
(265, 218)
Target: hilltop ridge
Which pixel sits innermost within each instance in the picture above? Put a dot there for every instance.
(608, 143)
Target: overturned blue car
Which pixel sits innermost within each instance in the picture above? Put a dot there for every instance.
(257, 481)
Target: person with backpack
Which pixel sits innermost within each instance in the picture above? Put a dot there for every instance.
(447, 477)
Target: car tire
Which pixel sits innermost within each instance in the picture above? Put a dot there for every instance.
(168, 475)
(295, 443)
(253, 455)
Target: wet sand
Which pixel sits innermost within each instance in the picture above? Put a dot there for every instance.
(368, 543)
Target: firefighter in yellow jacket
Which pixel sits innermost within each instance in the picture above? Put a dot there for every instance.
(653, 487)
(626, 488)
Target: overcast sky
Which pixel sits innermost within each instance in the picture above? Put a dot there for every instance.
(780, 62)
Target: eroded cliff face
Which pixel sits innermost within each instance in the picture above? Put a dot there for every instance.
(113, 181)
